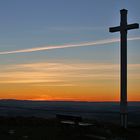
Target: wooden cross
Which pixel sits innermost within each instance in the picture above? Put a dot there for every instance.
(123, 76)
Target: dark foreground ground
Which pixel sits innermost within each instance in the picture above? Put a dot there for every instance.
(32, 128)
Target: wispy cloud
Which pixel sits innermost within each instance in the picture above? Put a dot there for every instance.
(63, 74)
(79, 28)
(94, 43)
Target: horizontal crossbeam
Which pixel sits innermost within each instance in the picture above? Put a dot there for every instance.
(114, 29)
(128, 27)
(133, 26)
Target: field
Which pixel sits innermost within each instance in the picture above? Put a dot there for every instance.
(36, 120)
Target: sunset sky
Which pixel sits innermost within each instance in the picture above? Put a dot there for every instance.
(62, 50)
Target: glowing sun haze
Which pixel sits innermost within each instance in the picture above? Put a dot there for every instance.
(66, 81)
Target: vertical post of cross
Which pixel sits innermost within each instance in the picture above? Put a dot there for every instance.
(123, 75)
(123, 78)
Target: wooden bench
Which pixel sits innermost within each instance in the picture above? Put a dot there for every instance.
(69, 119)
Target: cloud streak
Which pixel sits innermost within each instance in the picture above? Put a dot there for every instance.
(99, 42)
(59, 74)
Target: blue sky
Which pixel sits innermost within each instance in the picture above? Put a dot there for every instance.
(33, 23)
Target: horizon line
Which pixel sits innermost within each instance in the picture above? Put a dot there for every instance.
(35, 100)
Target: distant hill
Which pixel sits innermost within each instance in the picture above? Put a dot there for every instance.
(104, 111)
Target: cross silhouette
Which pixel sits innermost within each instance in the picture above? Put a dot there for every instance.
(123, 28)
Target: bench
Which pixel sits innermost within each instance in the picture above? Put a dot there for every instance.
(69, 119)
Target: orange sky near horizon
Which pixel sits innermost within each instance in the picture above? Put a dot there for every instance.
(67, 82)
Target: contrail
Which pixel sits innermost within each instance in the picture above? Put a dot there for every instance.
(99, 42)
